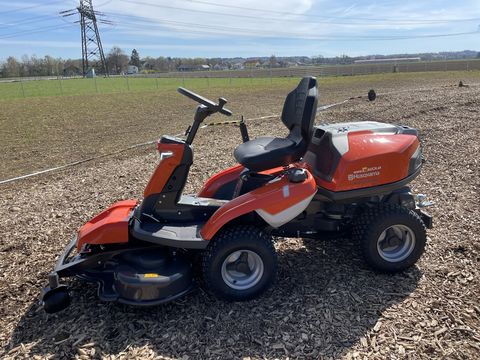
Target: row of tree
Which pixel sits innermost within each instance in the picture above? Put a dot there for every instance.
(117, 63)
(31, 66)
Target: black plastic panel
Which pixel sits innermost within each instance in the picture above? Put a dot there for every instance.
(185, 236)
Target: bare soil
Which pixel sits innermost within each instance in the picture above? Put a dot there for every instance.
(325, 304)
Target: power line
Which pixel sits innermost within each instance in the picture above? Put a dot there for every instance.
(416, 21)
(31, 7)
(204, 28)
(345, 21)
(214, 29)
(34, 31)
(185, 27)
(269, 18)
(38, 30)
(30, 20)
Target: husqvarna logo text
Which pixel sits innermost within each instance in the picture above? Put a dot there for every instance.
(365, 172)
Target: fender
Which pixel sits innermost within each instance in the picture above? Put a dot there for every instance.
(220, 179)
(277, 202)
(225, 177)
(108, 227)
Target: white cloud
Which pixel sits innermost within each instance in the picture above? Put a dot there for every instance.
(213, 20)
(166, 18)
(230, 31)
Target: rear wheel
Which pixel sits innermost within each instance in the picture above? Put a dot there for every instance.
(240, 263)
(391, 237)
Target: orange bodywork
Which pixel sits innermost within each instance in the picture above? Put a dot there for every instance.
(273, 198)
(108, 227)
(218, 180)
(372, 160)
(224, 177)
(165, 169)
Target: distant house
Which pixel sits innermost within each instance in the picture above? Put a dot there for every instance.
(251, 64)
(132, 69)
(268, 64)
(186, 67)
(71, 70)
(220, 67)
(238, 66)
(148, 66)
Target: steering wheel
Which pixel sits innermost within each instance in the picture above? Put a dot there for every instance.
(213, 107)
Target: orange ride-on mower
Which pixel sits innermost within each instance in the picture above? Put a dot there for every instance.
(317, 180)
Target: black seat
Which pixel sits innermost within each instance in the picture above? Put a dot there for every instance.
(298, 115)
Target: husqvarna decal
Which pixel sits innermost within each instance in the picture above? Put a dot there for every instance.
(365, 172)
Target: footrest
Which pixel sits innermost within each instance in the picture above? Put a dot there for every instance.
(182, 236)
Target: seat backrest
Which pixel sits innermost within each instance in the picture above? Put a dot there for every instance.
(300, 109)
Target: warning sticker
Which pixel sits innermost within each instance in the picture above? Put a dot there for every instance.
(151, 275)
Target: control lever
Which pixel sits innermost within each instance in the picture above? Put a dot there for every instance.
(244, 130)
(221, 103)
(208, 104)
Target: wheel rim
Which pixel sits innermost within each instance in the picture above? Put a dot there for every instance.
(242, 269)
(396, 243)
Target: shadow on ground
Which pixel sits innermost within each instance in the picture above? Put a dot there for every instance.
(324, 301)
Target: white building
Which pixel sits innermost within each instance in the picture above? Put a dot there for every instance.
(132, 69)
(388, 60)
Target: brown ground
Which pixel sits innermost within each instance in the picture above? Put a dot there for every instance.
(326, 302)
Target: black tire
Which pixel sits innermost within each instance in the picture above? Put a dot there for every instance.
(245, 239)
(370, 225)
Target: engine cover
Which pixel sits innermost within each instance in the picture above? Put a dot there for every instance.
(357, 155)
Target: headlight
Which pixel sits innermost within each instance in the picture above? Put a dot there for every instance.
(165, 155)
(415, 161)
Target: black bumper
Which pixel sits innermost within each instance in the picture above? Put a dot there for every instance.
(426, 218)
(61, 267)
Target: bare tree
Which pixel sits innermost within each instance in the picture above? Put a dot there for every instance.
(11, 67)
(117, 60)
(272, 62)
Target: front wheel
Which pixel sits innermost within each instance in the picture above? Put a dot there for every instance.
(240, 263)
(391, 237)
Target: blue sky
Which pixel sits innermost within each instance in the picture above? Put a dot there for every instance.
(228, 28)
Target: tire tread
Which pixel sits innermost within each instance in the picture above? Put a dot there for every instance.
(230, 236)
(364, 227)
